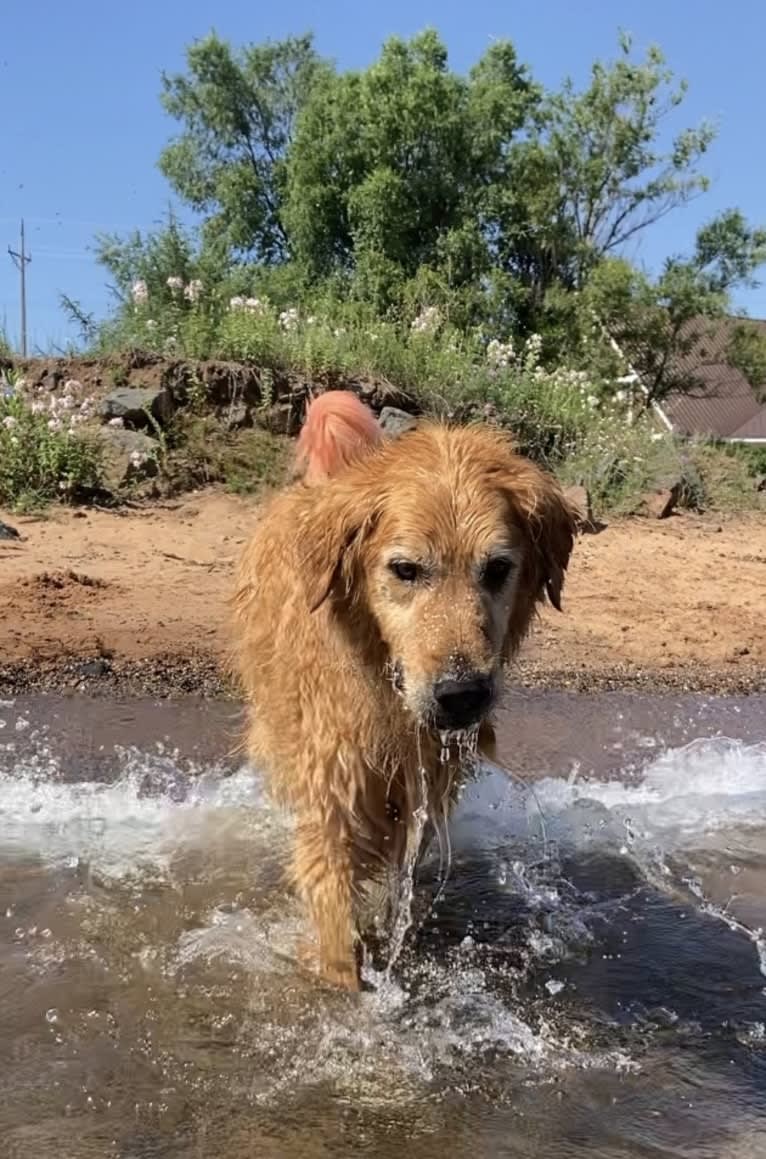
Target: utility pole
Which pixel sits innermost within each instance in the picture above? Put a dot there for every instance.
(21, 260)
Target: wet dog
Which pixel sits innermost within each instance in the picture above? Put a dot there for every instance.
(376, 607)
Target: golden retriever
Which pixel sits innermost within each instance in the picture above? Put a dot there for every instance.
(376, 607)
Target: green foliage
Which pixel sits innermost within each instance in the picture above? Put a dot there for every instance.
(410, 224)
(747, 351)
(659, 322)
(41, 459)
(603, 147)
(382, 177)
(237, 113)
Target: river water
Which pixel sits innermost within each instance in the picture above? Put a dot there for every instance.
(591, 982)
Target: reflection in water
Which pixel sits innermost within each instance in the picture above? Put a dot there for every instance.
(591, 981)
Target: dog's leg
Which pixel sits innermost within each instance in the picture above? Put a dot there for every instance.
(323, 871)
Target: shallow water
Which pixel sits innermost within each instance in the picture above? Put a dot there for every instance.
(591, 982)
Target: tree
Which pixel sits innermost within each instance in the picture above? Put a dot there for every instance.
(387, 163)
(659, 323)
(603, 146)
(747, 351)
(237, 111)
(169, 252)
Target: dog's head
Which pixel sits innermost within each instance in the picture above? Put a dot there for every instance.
(438, 546)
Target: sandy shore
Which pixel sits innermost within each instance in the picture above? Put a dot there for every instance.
(136, 601)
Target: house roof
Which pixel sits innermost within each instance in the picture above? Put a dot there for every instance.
(722, 403)
(755, 428)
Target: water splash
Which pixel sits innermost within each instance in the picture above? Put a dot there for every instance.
(406, 885)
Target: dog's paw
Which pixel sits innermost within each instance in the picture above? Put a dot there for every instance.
(344, 975)
(341, 974)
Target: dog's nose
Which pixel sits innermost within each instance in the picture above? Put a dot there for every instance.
(461, 703)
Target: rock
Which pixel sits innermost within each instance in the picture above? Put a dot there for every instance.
(238, 416)
(91, 668)
(396, 422)
(131, 404)
(660, 504)
(8, 532)
(129, 456)
(579, 498)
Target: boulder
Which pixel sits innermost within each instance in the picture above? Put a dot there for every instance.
(134, 404)
(661, 503)
(8, 532)
(579, 498)
(395, 422)
(128, 457)
(237, 416)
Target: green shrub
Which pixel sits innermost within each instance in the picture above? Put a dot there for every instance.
(41, 457)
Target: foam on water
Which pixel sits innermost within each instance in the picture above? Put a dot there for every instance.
(446, 1009)
(133, 823)
(682, 797)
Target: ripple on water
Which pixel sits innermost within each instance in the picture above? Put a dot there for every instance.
(586, 926)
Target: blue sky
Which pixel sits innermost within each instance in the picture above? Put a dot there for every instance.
(83, 126)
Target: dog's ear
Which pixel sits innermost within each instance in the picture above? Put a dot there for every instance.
(552, 524)
(338, 523)
(538, 507)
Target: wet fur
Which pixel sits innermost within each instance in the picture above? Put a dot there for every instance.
(317, 626)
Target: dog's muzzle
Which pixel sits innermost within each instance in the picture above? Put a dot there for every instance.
(458, 704)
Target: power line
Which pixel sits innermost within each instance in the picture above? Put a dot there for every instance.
(21, 260)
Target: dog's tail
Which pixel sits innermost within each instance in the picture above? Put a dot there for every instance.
(338, 429)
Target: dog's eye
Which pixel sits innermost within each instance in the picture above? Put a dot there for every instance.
(496, 572)
(405, 570)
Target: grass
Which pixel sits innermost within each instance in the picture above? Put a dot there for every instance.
(570, 421)
(202, 450)
(43, 457)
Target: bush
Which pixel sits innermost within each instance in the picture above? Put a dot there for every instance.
(44, 454)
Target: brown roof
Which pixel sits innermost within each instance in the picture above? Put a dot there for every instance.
(754, 429)
(722, 403)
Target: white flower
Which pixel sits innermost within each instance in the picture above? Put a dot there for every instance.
(151, 324)
(116, 422)
(500, 354)
(310, 320)
(657, 436)
(428, 320)
(532, 351)
(194, 289)
(37, 407)
(139, 458)
(339, 331)
(236, 303)
(175, 283)
(54, 424)
(288, 319)
(139, 292)
(9, 422)
(255, 306)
